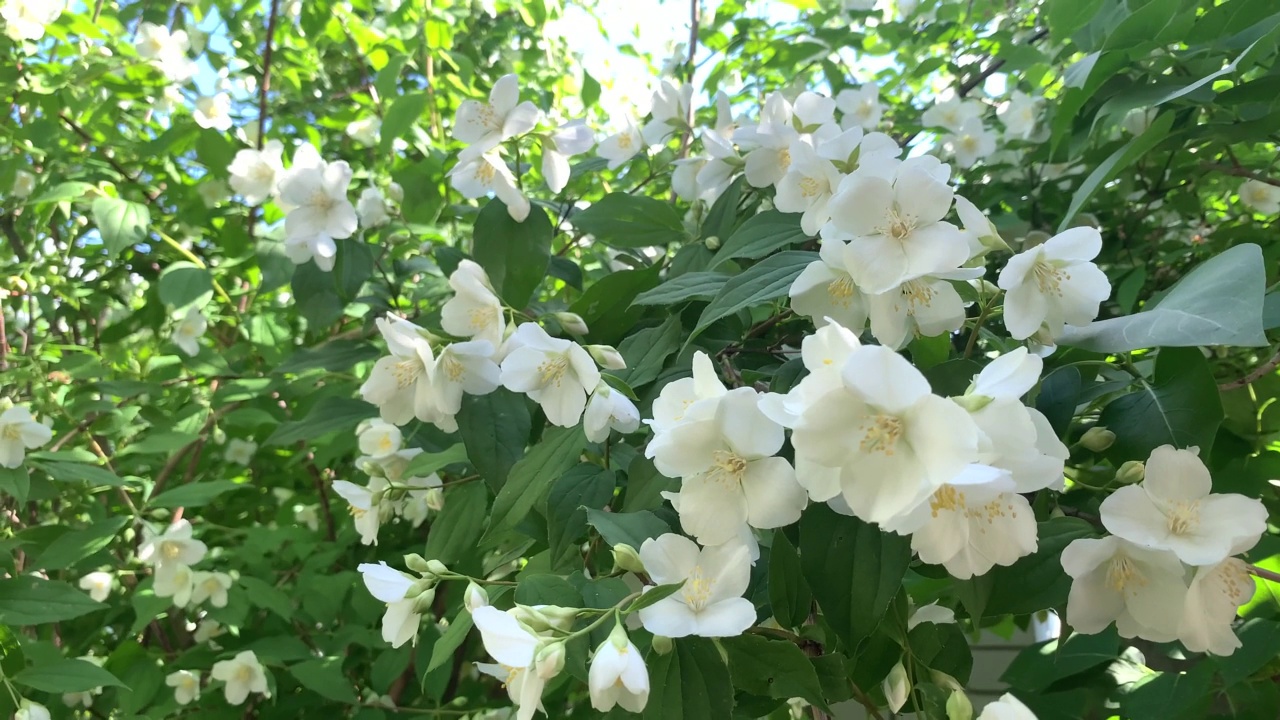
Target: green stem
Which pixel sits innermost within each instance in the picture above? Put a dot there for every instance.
(195, 259)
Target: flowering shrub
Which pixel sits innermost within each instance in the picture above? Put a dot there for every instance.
(369, 359)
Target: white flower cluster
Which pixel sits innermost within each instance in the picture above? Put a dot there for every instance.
(26, 19)
(172, 553)
(389, 492)
(486, 126)
(1168, 571)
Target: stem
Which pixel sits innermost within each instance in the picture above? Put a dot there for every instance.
(1264, 573)
(200, 264)
(1262, 370)
(977, 326)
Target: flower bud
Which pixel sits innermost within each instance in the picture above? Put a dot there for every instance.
(434, 499)
(626, 557)
(608, 357)
(618, 637)
(1034, 238)
(897, 686)
(546, 617)
(395, 193)
(1097, 439)
(436, 568)
(712, 243)
(420, 586)
(415, 562)
(972, 402)
(944, 681)
(550, 660)
(422, 605)
(661, 644)
(475, 597)
(571, 322)
(959, 707)
(1131, 472)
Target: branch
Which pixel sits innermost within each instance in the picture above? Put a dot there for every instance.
(991, 69)
(265, 84)
(1261, 371)
(1240, 172)
(330, 528)
(151, 195)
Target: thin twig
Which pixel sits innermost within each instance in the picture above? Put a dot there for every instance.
(1241, 172)
(1265, 574)
(151, 195)
(1262, 370)
(330, 529)
(265, 84)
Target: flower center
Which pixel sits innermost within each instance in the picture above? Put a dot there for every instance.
(1123, 574)
(1048, 277)
(11, 432)
(262, 173)
(170, 549)
(552, 370)
(489, 118)
(784, 158)
(481, 318)
(900, 226)
(1183, 517)
(244, 674)
(697, 590)
(406, 372)
(880, 434)
(485, 172)
(212, 586)
(727, 468)
(626, 141)
(453, 369)
(841, 291)
(810, 187)
(917, 294)
(968, 144)
(946, 498)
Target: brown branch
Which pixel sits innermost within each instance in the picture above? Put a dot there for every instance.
(1264, 369)
(1264, 573)
(330, 529)
(1241, 172)
(991, 69)
(151, 195)
(263, 85)
(11, 234)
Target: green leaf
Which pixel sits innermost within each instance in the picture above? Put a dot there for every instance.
(331, 414)
(11, 656)
(495, 429)
(120, 222)
(194, 494)
(1151, 23)
(1218, 303)
(70, 190)
(761, 235)
(630, 221)
(767, 280)
(582, 487)
(66, 675)
(1058, 397)
(647, 351)
(1171, 695)
(631, 528)
(644, 486)
(1064, 17)
(401, 117)
(606, 305)
(514, 254)
(789, 594)
(71, 547)
(79, 472)
(426, 463)
(546, 589)
(689, 683)
(183, 283)
(164, 443)
(265, 595)
(1040, 665)
(324, 676)
(1258, 642)
(1179, 406)
(772, 668)
(531, 478)
(15, 482)
(333, 356)
(1033, 583)
(725, 213)
(457, 528)
(28, 600)
(352, 267)
(1118, 160)
(451, 640)
(853, 568)
(690, 286)
(653, 596)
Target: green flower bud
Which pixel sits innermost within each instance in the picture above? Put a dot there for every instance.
(712, 243)
(422, 605)
(959, 707)
(626, 557)
(415, 562)
(1034, 238)
(571, 322)
(607, 357)
(550, 660)
(1097, 439)
(661, 644)
(972, 403)
(419, 587)
(475, 597)
(897, 687)
(1131, 472)
(437, 568)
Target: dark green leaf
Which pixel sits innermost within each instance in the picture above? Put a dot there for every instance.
(647, 351)
(183, 284)
(334, 356)
(451, 640)
(402, 116)
(28, 600)
(324, 676)
(79, 472)
(1058, 397)
(514, 254)
(582, 487)
(1119, 160)
(71, 547)
(789, 594)
(1179, 406)
(427, 463)
(767, 280)
(689, 683)
(1042, 664)
(761, 235)
(330, 414)
(495, 429)
(606, 305)
(457, 528)
(772, 668)
(690, 286)
(531, 478)
(630, 221)
(194, 494)
(546, 589)
(653, 596)
(15, 482)
(66, 675)
(630, 528)
(352, 267)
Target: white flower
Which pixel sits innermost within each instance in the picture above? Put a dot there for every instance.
(475, 310)
(1141, 590)
(524, 687)
(515, 647)
(31, 710)
(26, 20)
(368, 516)
(1019, 114)
(982, 235)
(242, 675)
(770, 140)
(98, 585)
(484, 126)
(320, 212)
(931, 613)
(171, 549)
(190, 329)
(896, 229)
(684, 179)
(1007, 707)
(861, 106)
(307, 515)
(241, 451)
(922, 307)
(400, 384)
(555, 373)
(1175, 509)
(185, 684)
(463, 367)
(618, 675)
(972, 523)
(677, 397)
(23, 184)
(572, 138)
(365, 131)
(970, 142)
(395, 193)
(824, 354)
(894, 442)
(1054, 284)
(670, 112)
(1257, 196)
(213, 192)
(710, 602)
(951, 114)
(167, 52)
(896, 687)
(608, 410)
(214, 112)
(1137, 120)
(722, 164)
(20, 432)
(176, 581)
(476, 176)
(725, 451)
(372, 208)
(400, 622)
(807, 187)
(211, 586)
(622, 145)
(206, 630)
(1213, 600)
(825, 289)
(378, 438)
(254, 172)
(475, 597)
